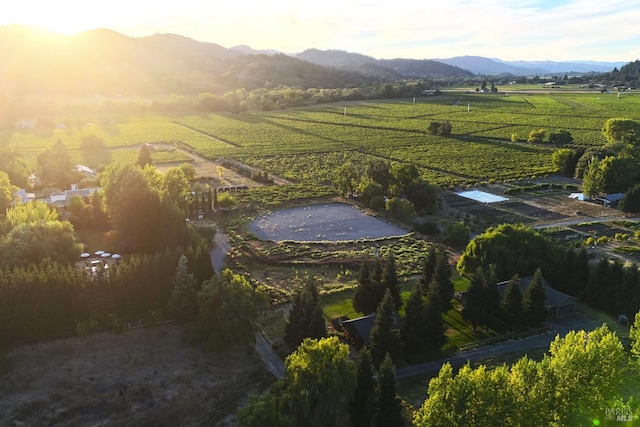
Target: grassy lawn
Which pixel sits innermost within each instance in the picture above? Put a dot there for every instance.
(621, 330)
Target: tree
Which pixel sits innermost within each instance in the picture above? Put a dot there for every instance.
(593, 179)
(587, 155)
(511, 249)
(316, 390)
(54, 166)
(565, 160)
(414, 325)
(457, 234)
(512, 303)
(183, 305)
(536, 136)
(423, 195)
(630, 203)
(378, 171)
(364, 296)
(582, 373)
(560, 138)
(618, 174)
(228, 307)
(388, 404)
(389, 279)
(362, 405)
(144, 156)
(435, 332)
(345, 178)
(12, 165)
(306, 319)
(401, 209)
(402, 174)
(7, 193)
(383, 337)
(428, 268)
(368, 191)
(442, 279)
(634, 336)
(626, 131)
(434, 127)
(534, 302)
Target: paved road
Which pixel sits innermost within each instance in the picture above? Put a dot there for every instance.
(269, 357)
(220, 249)
(542, 341)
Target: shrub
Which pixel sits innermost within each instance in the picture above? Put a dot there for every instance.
(536, 136)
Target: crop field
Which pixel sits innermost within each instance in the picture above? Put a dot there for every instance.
(307, 144)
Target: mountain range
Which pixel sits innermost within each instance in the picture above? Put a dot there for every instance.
(104, 61)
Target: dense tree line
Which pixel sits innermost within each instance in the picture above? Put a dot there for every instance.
(49, 299)
(373, 281)
(518, 250)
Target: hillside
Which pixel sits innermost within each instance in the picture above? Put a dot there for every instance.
(106, 62)
(381, 68)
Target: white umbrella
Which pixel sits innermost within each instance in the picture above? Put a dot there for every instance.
(105, 255)
(116, 256)
(99, 253)
(85, 255)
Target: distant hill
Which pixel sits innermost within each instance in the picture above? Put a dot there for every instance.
(106, 62)
(482, 65)
(383, 68)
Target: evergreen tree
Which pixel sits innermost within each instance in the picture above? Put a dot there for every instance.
(363, 297)
(362, 405)
(535, 301)
(388, 404)
(435, 332)
(428, 268)
(383, 338)
(183, 305)
(389, 279)
(442, 278)
(144, 156)
(474, 300)
(512, 303)
(293, 330)
(414, 324)
(306, 319)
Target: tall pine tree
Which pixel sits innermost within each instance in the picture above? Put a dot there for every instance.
(362, 405)
(512, 311)
(305, 316)
(389, 279)
(414, 325)
(442, 278)
(183, 305)
(535, 301)
(383, 337)
(364, 296)
(435, 333)
(428, 268)
(389, 412)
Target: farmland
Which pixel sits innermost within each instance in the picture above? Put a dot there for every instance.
(307, 144)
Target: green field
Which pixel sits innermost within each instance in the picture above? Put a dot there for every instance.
(307, 144)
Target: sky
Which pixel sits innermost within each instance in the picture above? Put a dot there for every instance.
(559, 30)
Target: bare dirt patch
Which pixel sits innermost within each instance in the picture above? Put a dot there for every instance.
(141, 377)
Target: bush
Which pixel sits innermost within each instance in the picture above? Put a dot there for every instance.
(536, 136)
(457, 235)
(377, 203)
(429, 228)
